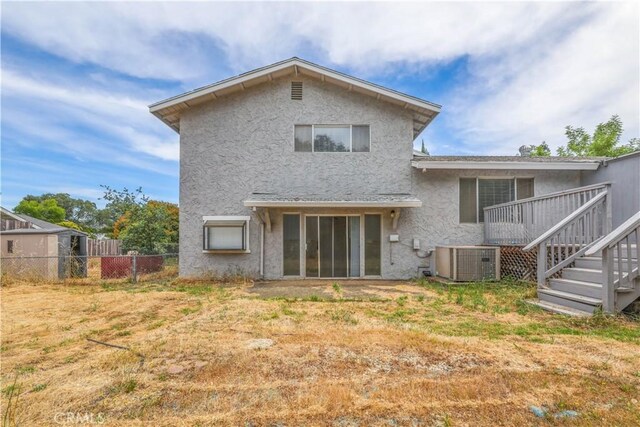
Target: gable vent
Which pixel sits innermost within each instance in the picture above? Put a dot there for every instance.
(296, 91)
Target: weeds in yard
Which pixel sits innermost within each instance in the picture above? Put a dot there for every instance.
(343, 316)
(337, 288)
(12, 397)
(38, 387)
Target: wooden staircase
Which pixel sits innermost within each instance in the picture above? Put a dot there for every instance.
(597, 267)
(578, 291)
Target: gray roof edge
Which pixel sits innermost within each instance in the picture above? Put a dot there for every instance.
(515, 159)
(292, 59)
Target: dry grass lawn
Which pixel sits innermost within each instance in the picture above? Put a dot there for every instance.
(401, 354)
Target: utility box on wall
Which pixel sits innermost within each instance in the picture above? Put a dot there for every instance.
(468, 263)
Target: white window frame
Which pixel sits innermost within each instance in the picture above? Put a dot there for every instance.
(225, 221)
(313, 137)
(478, 178)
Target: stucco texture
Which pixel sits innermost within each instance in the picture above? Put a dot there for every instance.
(243, 143)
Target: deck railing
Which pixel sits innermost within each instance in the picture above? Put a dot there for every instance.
(619, 255)
(522, 221)
(570, 238)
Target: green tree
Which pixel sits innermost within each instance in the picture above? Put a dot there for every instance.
(605, 141)
(151, 229)
(143, 225)
(541, 150)
(70, 224)
(119, 202)
(423, 150)
(47, 210)
(82, 212)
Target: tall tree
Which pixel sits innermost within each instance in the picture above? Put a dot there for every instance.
(79, 211)
(119, 202)
(47, 210)
(605, 141)
(143, 225)
(423, 150)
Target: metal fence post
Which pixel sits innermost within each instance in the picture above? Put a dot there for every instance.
(134, 269)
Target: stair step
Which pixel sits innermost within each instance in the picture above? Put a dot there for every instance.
(634, 251)
(558, 309)
(584, 274)
(577, 287)
(567, 299)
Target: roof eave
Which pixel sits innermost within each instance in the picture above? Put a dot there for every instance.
(297, 65)
(452, 165)
(333, 204)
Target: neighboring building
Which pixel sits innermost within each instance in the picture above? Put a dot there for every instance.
(295, 170)
(52, 249)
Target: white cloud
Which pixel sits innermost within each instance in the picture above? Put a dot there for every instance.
(534, 67)
(119, 115)
(580, 79)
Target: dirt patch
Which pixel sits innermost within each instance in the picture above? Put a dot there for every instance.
(333, 289)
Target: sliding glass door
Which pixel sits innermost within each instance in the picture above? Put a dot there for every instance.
(332, 246)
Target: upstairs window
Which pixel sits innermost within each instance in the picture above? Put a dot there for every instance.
(225, 234)
(332, 138)
(479, 193)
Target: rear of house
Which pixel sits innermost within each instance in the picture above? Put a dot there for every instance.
(297, 171)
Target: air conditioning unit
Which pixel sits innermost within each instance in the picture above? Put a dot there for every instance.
(468, 263)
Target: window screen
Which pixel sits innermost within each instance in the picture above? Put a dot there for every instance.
(303, 136)
(493, 192)
(225, 233)
(468, 205)
(10, 246)
(331, 138)
(361, 139)
(225, 238)
(525, 188)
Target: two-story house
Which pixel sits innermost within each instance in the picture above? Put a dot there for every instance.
(298, 171)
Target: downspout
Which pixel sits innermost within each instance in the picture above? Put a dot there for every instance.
(262, 250)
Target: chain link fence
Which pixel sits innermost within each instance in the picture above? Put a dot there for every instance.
(130, 267)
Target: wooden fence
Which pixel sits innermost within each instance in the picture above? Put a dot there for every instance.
(104, 247)
(14, 224)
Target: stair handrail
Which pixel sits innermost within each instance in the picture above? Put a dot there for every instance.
(602, 185)
(627, 273)
(579, 230)
(611, 239)
(556, 228)
(521, 221)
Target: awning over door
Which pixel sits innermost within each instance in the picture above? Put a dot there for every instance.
(272, 200)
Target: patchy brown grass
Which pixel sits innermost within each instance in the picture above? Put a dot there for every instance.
(411, 354)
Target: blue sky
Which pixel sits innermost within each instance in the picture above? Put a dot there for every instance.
(77, 77)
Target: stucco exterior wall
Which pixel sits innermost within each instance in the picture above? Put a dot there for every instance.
(624, 175)
(243, 143)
